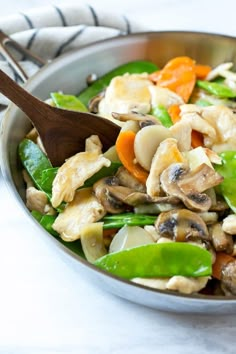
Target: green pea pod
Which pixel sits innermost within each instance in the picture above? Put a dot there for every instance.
(228, 170)
(49, 175)
(130, 219)
(134, 67)
(203, 103)
(37, 215)
(69, 102)
(158, 260)
(46, 221)
(34, 161)
(217, 89)
(161, 113)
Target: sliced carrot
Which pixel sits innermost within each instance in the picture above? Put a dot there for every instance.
(174, 113)
(179, 76)
(222, 259)
(125, 151)
(202, 71)
(197, 139)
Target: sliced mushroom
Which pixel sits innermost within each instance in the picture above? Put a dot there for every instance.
(149, 137)
(228, 278)
(110, 203)
(126, 179)
(220, 239)
(130, 125)
(91, 78)
(166, 154)
(128, 195)
(199, 180)
(181, 225)
(94, 102)
(156, 208)
(209, 217)
(229, 224)
(220, 205)
(169, 182)
(137, 117)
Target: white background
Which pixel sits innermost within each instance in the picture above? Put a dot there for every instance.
(45, 305)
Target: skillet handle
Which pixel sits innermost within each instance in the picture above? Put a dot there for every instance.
(5, 43)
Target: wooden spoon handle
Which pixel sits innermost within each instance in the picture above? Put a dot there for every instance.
(30, 105)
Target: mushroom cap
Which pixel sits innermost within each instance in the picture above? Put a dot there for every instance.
(101, 190)
(181, 225)
(170, 179)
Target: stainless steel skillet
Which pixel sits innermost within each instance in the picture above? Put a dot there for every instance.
(69, 73)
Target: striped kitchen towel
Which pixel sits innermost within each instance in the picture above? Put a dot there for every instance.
(51, 31)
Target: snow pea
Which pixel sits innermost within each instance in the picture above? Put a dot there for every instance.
(228, 170)
(134, 67)
(69, 102)
(34, 161)
(203, 103)
(158, 260)
(161, 113)
(217, 89)
(130, 219)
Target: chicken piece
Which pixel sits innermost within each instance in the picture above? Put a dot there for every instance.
(182, 131)
(73, 173)
(187, 285)
(221, 241)
(164, 97)
(216, 123)
(229, 224)
(199, 124)
(126, 179)
(93, 143)
(166, 154)
(36, 200)
(126, 93)
(190, 120)
(178, 283)
(84, 209)
(223, 120)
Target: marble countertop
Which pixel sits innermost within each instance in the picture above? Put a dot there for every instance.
(45, 306)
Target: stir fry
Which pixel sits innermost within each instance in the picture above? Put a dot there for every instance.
(158, 208)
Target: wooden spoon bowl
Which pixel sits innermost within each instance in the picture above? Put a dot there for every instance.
(62, 132)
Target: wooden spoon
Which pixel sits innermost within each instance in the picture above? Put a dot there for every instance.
(62, 132)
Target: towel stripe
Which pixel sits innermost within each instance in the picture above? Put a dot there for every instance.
(128, 26)
(68, 41)
(94, 15)
(61, 15)
(32, 38)
(28, 20)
